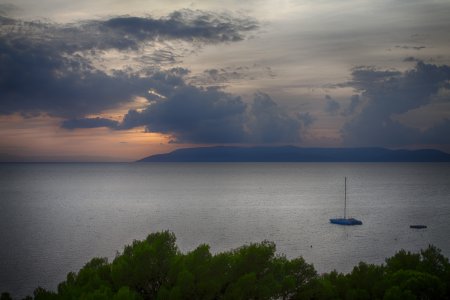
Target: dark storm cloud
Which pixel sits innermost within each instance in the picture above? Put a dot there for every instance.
(187, 25)
(306, 119)
(43, 71)
(331, 106)
(369, 129)
(390, 93)
(89, 123)
(364, 76)
(129, 32)
(395, 92)
(198, 115)
(46, 69)
(34, 80)
(270, 124)
(438, 134)
(192, 114)
(355, 101)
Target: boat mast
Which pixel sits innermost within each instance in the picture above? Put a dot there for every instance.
(345, 198)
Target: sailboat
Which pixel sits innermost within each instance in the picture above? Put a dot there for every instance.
(345, 220)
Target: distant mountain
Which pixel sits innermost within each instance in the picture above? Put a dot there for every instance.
(296, 154)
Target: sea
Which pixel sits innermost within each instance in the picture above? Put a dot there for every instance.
(55, 217)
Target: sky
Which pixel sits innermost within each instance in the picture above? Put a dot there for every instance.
(112, 80)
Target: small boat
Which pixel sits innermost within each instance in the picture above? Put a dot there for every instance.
(345, 220)
(418, 226)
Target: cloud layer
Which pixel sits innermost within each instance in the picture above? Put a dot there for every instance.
(86, 71)
(45, 67)
(130, 32)
(391, 93)
(198, 115)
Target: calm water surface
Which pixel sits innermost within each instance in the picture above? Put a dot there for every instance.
(55, 217)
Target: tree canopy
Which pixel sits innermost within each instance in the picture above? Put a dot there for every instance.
(154, 268)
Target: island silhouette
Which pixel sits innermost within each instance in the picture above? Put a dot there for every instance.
(297, 154)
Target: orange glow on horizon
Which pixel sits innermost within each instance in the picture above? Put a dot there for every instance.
(41, 137)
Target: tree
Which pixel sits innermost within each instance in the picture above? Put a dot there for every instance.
(155, 269)
(5, 296)
(144, 266)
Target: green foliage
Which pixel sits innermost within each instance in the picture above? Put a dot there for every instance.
(155, 269)
(426, 275)
(93, 280)
(367, 280)
(144, 266)
(5, 296)
(125, 293)
(406, 275)
(396, 293)
(43, 294)
(250, 272)
(403, 260)
(422, 285)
